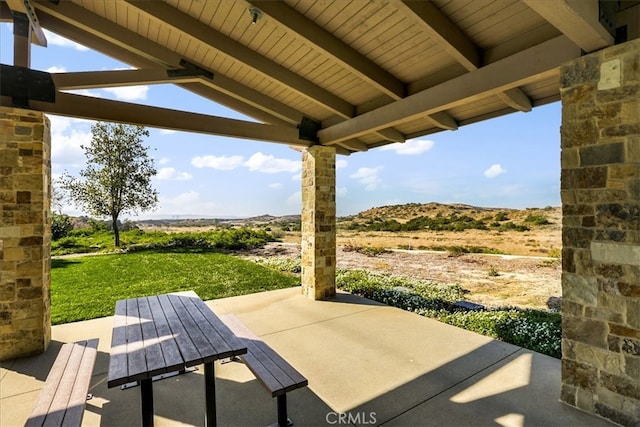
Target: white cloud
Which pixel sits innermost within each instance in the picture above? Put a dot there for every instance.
(341, 164)
(224, 163)
(368, 177)
(56, 69)
(297, 177)
(341, 192)
(494, 171)
(164, 161)
(412, 147)
(166, 131)
(188, 203)
(67, 136)
(275, 185)
(268, 164)
(171, 174)
(54, 39)
(129, 93)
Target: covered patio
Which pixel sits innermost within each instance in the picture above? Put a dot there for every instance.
(374, 364)
(340, 78)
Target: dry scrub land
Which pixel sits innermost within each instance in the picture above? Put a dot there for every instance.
(525, 273)
(526, 276)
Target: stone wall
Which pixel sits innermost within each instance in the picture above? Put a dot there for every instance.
(600, 188)
(319, 222)
(25, 233)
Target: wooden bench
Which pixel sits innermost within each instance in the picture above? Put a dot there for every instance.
(275, 373)
(62, 399)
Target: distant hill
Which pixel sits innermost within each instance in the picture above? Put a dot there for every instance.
(420, 213)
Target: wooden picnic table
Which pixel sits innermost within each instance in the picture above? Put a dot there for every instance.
(168, 333)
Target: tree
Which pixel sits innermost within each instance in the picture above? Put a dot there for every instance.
(117, 178)
(61, 224)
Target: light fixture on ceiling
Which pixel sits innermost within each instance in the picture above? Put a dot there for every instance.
(256, 14)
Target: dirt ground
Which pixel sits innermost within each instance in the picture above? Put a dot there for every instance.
(492, 280)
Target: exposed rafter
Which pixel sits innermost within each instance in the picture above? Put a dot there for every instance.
(25, 7)
(522, 68)
(457, 44)
(577, 19)
(445, 33)
(443, 121)
(104, 109)
(326, 42)
(115, 78)
(70, 21)
(193, 28)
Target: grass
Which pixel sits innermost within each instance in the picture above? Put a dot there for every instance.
(88, 287)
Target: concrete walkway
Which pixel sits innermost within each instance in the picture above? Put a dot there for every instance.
(367, 364)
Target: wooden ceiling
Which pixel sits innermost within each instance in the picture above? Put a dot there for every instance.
(354, 74)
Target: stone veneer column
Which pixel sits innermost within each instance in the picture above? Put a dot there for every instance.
(600, 188)
(25, 232)
(319, 222)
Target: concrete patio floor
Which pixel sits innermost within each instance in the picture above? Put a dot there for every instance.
(378, 365)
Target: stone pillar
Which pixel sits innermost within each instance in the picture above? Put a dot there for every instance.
(319, 222)
(25, 232)
(600, 188)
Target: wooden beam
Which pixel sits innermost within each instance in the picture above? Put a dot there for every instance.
(577, 19)
(444, 32)
(116, 111)
(115, 78)
(390, 134)
(454, 41)
(525, 67)
(516, 99)
(25, 7)
(68, 20)
(354, 145)
(332, 46)
(443, 121)
(193, 28)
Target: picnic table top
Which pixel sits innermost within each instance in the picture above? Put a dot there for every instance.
(166, 333)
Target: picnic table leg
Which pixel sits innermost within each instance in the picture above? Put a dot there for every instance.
(210, 393)
(146, 393)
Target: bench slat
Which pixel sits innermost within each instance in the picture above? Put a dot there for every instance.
(43, 403)
(63, 396)
(78, 398)
(63, 393)
(275, 372)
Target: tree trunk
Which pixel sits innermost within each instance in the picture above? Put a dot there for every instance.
(116, 231)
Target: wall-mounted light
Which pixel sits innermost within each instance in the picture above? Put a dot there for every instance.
(256, 14)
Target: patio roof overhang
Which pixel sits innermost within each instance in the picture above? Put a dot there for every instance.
(355, 75)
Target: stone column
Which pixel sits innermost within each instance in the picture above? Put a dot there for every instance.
(319, 222)
(600, 188)
(25, 232)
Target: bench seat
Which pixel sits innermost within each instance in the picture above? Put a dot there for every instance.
(62, 399)
(275, 373)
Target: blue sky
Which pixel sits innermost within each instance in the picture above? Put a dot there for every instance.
(512, 161)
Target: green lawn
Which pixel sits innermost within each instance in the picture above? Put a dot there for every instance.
(88, 287)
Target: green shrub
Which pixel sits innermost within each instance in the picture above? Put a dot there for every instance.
(537, 330)
(61, 225)
(537, 219)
